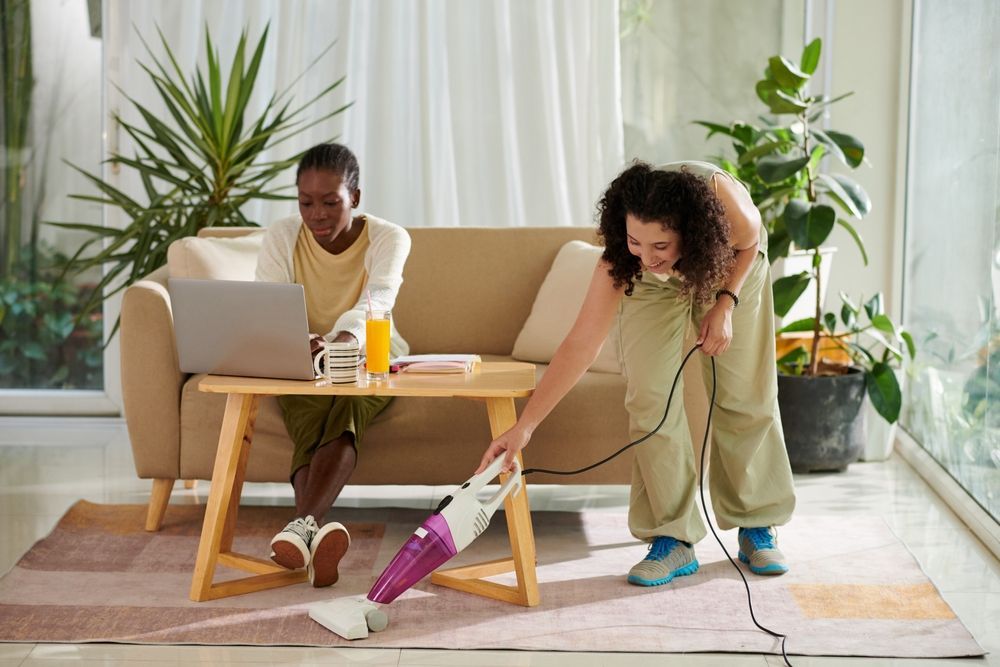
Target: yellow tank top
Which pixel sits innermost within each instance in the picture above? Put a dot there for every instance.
(332, 283)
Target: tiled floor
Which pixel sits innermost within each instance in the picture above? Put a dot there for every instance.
(46, 465)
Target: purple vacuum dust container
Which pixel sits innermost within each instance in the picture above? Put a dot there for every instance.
(429, 546)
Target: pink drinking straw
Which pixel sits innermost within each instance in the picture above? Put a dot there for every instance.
(370, 309)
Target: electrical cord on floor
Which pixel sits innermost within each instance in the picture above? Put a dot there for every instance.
(701, 485)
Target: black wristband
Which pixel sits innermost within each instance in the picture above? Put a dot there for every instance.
(736, 299)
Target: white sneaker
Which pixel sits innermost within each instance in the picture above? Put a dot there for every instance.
(290, 547)
(328, 546)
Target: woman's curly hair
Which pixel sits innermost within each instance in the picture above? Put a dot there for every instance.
(680, 201)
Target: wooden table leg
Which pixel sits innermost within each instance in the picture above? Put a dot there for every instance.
(522, 539)
(217, 532)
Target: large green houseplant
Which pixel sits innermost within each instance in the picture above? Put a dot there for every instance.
(198, 164)
(781, 162)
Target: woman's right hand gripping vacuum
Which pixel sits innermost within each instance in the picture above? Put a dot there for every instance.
(507, 445)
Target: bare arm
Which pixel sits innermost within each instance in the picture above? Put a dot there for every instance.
(574, 356)
(744, 229)
(744, 235)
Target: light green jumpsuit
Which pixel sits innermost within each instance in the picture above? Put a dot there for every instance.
(750, 480)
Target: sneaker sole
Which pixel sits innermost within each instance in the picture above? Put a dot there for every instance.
(773, 568)
(690, 568)
(289, 555)
(326, 557)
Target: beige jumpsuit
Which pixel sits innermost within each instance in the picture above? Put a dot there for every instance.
(750, 480)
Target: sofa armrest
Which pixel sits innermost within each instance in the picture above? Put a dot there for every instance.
(151, 377)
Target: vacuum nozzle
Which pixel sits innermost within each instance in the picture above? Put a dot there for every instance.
(351, 618)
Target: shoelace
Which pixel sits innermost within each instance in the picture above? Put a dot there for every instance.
(661, 548)
(304, 528)
(761, 537)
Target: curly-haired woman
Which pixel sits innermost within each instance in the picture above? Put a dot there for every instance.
(683, 244)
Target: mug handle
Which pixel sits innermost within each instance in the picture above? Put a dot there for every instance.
(320, 356)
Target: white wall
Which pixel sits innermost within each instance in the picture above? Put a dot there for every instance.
(698, 61)
(868, 57)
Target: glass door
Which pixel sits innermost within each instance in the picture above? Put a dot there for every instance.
(952, 245)
(52, 358)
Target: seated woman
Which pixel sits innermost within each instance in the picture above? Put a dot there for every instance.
(339, 258)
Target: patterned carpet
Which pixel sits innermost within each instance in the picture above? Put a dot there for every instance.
(100, 577)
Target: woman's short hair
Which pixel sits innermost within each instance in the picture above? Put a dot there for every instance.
(335, 158)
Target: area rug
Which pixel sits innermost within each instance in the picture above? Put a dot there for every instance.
(100, 577)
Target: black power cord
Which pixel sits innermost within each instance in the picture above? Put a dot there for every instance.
(701, 485)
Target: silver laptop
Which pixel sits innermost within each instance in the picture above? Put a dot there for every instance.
(235, 327)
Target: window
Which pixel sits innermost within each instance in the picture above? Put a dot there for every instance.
(952, 248)
(50, 115)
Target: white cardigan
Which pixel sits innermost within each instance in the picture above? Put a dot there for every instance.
(389, 246)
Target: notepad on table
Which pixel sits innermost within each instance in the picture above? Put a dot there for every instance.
(436, 363)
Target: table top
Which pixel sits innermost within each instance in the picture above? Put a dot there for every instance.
(490, 379)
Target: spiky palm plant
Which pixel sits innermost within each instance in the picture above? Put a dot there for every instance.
(198, 166)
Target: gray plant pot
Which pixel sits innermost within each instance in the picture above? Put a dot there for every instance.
(823, 420)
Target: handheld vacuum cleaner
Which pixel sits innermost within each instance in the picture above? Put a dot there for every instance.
(458, 520)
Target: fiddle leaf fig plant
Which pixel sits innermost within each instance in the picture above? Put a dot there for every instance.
(780, 161)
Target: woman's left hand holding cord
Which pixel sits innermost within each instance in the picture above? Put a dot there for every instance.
(716, 329)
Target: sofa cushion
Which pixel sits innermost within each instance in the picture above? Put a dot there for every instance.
(556, 306)
(215, 258)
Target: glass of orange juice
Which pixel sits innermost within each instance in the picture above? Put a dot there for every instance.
(377, 344)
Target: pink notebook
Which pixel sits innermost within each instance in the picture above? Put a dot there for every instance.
(436, 363)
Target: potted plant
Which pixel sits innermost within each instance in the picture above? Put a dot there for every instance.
(781, 161)
(876, 349)
(198, 163)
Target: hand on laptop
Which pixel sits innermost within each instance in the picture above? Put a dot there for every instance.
(316, 341)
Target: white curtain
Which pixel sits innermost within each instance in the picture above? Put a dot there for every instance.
(465, 112)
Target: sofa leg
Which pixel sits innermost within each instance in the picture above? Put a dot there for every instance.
(190, 483)
(158, 499)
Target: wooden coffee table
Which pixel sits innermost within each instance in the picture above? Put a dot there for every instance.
(497, 384)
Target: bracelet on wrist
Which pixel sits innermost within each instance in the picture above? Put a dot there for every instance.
(731, 295)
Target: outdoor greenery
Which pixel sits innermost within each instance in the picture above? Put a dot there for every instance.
(198, 164)
(780, 162)
(42, 345)
(980, 418)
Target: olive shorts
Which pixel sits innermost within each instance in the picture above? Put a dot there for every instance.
(313, 421)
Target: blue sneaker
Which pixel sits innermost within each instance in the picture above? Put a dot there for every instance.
(667, 558)
(759, 550)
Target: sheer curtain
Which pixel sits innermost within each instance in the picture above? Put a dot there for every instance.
(475, 113)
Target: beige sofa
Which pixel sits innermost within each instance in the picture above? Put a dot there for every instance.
(465, 290)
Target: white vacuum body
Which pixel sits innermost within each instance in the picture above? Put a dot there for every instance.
(458, 520)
